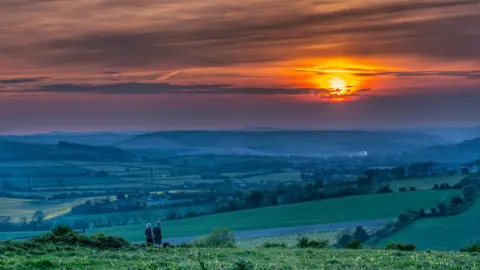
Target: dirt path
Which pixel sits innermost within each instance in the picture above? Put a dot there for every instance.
(292, 230)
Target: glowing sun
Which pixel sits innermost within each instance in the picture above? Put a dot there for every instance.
(337, 83)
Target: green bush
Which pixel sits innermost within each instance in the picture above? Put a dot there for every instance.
(399, 246)
(273, 245)
(355, 244)
(471, 248)
(65, 235)
(219, 238)
(242, 265)
(62, 230)
(304, 242)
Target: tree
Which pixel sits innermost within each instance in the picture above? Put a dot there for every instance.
(254, 198)
(38, 217)
(361, 234)
(364, 181)
(470, 192)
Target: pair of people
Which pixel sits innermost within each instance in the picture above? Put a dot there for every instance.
(154, 235)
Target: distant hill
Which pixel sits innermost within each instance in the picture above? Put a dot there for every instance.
(307, 142)
(62, 151)
(465, 151)
(90, 138)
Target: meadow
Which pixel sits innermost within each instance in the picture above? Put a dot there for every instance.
(442, 233)
(59, 257)
(356, 208)
(424, 183)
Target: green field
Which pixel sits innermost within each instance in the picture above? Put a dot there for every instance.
(68, 257)
(442, 233)
(426, 182)
(274, 177)
(357, 208)
(18, 208)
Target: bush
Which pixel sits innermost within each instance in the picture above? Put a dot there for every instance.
(219, 238)
(242, 265)
(471, 248)
(304, 242)
(62, 230)
(63, 234)
(273, 245)
(413, 188)
(402, 189)
(399, 246)
(355, 244)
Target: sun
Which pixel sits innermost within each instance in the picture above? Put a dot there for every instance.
(337, 83)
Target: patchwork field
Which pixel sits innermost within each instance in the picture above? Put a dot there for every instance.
(426, 182)
(357, 208)
(442, 233)
(274, 177)
(19, 208)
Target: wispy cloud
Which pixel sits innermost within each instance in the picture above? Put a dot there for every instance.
(22, 80)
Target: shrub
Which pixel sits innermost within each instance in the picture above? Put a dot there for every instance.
(62, 230)
(344, 240)
(471, 248)
(242, 265)
(399, 246)
(304, 242)
(402, 189)
(355, 244)
(219, 238)
(413, 188)
(273, 245)
(361, 234)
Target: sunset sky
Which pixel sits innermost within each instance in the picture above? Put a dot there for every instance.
(170, 64)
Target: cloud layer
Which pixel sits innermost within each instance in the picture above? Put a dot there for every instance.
(262, 50)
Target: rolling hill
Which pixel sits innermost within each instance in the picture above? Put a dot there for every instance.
(62, 151)
(308, 143)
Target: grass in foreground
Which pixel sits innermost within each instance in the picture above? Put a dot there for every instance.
(356, 208)
(65, 257)
(442, 233)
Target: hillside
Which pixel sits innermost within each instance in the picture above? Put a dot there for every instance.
(313, 143)
(90, 138)
(461, 152)
(356, 208)
(62, 151)
(442, 233)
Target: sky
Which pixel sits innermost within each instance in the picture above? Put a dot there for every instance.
(187, 64)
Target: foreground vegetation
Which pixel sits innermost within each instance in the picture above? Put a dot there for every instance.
(64, 249)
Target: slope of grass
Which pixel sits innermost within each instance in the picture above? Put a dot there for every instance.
(443, 233)
(60, 257)
(357, 208)
(426, 182)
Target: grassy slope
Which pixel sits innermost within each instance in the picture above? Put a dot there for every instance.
(82, 258)
(426, 182)
(368, 207)
(445, 233)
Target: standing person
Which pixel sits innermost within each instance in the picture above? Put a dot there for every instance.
(157, 234)
(149, 234)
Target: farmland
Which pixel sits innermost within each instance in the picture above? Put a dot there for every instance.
(426, 182)
(443, 233)
(367, 207)
(20, 208)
